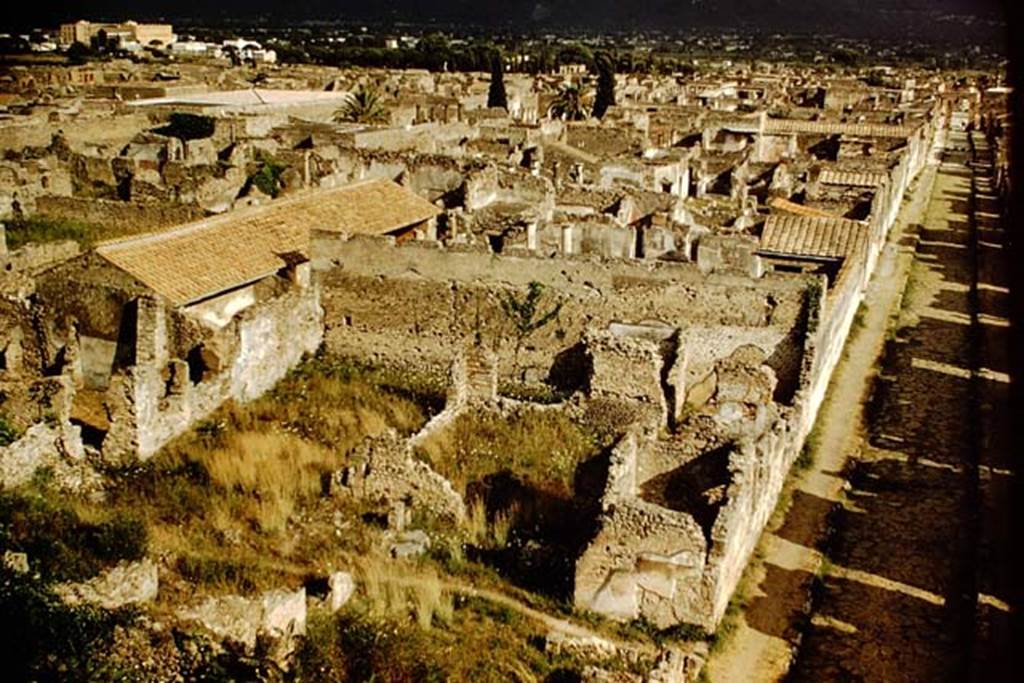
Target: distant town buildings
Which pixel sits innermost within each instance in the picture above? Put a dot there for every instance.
(248, 51)
(121, 35)
(133, 36)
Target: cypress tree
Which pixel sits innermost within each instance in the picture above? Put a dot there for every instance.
(496, 95)
(605, 84)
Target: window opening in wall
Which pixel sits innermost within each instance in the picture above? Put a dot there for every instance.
(198, 367)
(92, 436)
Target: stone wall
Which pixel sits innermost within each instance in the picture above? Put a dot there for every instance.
(651, 565)
(115, 130)
(122, 217)
(762, 446)
(385, 473)
(56, 447)
(35, 257)
(680, 520)
(157, 399)
(411, 305)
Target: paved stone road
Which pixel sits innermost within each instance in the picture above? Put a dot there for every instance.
(900, 600)
(781, 581)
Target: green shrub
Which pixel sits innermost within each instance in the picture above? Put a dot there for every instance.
(267, 177)
(355, 647)
(62, 546)
(51, 641)
(8, 434)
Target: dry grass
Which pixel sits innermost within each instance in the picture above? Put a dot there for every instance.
(265, 477)
(493, 533)
(224, 502)
(331, 411)
(542, 446)
(398, 589)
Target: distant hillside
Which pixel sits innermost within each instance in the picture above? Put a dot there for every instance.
(861, 17)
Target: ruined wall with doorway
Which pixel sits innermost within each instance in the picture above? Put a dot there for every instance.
(163, 394)
(410, 305)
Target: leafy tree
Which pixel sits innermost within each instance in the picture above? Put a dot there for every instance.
(363, 106)
(570, 104)
(544, 61)
(526, 316)
(435, 52)
(79, 53)
(605, 84)
(574, 53)
(496, 96)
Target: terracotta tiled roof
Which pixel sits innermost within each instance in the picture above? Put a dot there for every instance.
(197, 260)
(853, 178)
(873, 130)
(809, 236)
(798, 209)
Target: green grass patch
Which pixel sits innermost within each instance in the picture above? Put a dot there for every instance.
(539, 446)
(61, 544)
(22, 231)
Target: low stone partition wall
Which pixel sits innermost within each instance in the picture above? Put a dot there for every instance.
(123, 218)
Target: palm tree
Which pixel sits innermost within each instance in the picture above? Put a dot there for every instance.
(363, 106)
(570, 104)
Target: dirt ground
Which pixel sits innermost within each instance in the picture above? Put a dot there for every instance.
(894, 497)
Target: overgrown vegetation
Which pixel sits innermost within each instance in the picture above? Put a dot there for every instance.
(539, 446)
(47, 640)
(23, 230)
(572, 103)
(265, 477)
(8, 433)
(526, 316)
(63, 542)
(219, 500)
(480, 641)
(268, 175)
(51, 641)
(364, 105)
(814, 294)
